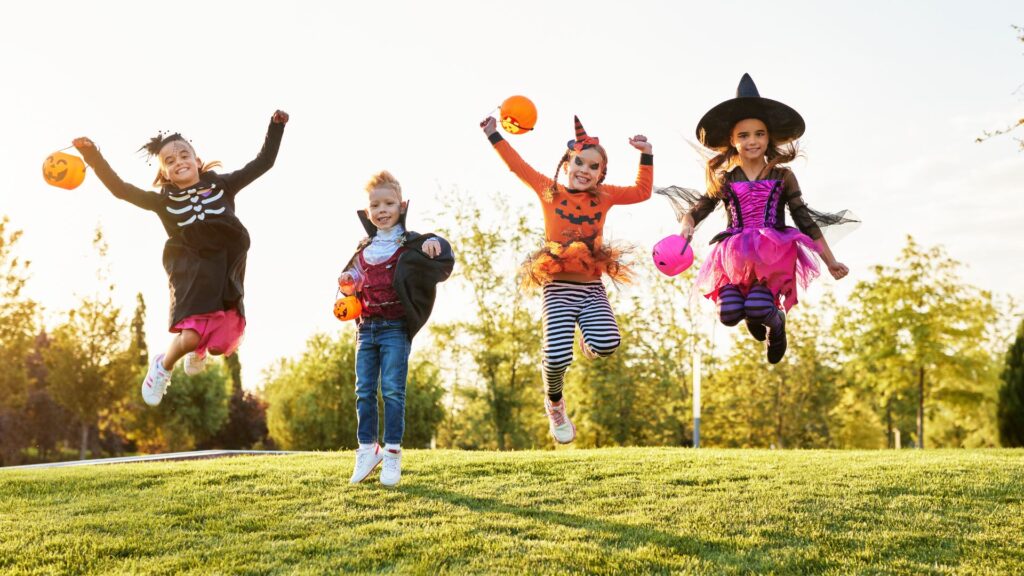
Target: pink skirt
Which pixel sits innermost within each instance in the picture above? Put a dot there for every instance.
(782, 259)
(219, 332)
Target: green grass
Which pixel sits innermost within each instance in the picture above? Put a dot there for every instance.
(570, 511)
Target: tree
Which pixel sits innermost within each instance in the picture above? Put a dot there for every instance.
(87, 363)
(194, 409)
(495, 357)
(918, 332)
(751, 403)
(1011, 394)
(246, 425)
(19, 319)
(641, 395)
(311, 401)
(1014, 126)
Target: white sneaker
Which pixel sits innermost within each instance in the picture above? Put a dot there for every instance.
(154, 386)
(194, 363)
(391, 472)
(366, 460)
(558, 421)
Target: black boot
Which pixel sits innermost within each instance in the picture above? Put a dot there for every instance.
(757, 330)
(776, 336)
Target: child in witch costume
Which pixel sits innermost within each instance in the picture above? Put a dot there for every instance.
(395, 274)
(570, 265)
(206, 247)
(758, 263)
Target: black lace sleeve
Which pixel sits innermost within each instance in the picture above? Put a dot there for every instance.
(812, 222)
(688, 201)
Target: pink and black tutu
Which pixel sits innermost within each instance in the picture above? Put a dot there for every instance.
(758, 246)
(785, 260)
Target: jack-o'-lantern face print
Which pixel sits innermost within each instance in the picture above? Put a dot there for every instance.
(347, 308)
(585, 169)
(579, 209)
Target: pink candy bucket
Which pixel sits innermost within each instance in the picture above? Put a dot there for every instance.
(672, 255)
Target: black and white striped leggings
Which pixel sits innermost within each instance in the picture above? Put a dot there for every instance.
(567, 304)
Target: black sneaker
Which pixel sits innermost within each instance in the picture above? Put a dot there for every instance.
(757, 330)
(777, 340)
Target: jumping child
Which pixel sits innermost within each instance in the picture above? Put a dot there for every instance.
(206, 247)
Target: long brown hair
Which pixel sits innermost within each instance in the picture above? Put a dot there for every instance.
(549, 194)
(724, 160)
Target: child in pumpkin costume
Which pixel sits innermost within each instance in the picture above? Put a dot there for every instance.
(758, 264)
(206, 247)
(574, 257)
(395, 274)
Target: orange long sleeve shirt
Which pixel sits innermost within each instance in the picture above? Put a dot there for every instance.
(576, 215)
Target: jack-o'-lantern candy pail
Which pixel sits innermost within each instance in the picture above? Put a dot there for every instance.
(518, 115)
(347, 308)
(672, 255)
(63, 170)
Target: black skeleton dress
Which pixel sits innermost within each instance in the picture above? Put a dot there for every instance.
(206, 247)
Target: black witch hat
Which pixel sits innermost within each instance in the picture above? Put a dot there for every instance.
(784, 123)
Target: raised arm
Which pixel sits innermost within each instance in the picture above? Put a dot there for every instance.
(644, 185)
(264, 160)
(532, 178)
(803, 220)
(119, 188)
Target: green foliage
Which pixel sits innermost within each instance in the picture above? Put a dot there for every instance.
(608, 511)
(194, 409)
(311, 401)
(750, 403)
(19, 321)
(88, 365)
(641, 395)
(1011, 394)
(917, 341)
(495, 357)
(312, 404)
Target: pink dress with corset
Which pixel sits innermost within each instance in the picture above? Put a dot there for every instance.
(757, 247)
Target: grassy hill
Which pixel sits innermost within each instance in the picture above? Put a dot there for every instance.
(570, 511)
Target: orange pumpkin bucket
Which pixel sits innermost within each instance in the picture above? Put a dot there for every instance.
(63, 170)
(518, 115)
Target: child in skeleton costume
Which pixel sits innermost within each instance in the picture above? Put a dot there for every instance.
(758, 263)
(394, 273)
(574, 257)
(205, 252)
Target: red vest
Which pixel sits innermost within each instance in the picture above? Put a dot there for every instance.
(378, 296)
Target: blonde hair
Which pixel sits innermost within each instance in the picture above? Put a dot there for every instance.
(384, 179)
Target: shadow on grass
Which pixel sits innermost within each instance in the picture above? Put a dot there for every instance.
(611, 534)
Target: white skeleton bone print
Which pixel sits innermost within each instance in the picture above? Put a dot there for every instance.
(197, 204)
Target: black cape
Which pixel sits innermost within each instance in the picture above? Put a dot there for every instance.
(416, 274)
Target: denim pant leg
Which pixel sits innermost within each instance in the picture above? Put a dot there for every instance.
(368, 356)
(394, 370)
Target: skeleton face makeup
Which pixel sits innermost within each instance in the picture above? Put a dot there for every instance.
(179, 164)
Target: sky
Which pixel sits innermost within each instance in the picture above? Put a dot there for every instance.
(893, 94)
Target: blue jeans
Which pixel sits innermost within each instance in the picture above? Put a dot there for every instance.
(382, 355)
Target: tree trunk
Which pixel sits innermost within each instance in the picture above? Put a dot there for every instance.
(888, 423)
(778, 414)
(85, 441)
(920, 408)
